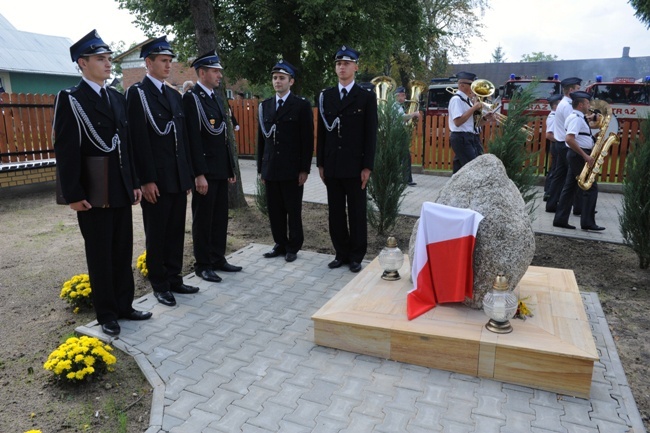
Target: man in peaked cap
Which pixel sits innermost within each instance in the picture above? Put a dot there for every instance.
(465, 137)
(347, 137)
(90, 135)
(553, 100)
(214, 168)
(580, 144)
(564, 109)
(162, 162)
(285, 143)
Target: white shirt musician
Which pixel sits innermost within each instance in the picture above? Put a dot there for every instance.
(580, 142)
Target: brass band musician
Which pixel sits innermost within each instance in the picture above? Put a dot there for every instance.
(580, 143)
(465, 137)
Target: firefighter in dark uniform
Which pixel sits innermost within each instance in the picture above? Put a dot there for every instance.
(285, 144)
(162, 162)
(90, 124)
(347, 137)
(214, 168)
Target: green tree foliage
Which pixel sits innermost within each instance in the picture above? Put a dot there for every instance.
(498, 56)
(252, 34)
(445, 28)
(388, 181)
(634, 218)
(509, 145)
(540, 56)
(642, 11)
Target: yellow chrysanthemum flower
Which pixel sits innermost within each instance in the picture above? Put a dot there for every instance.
(79, 358)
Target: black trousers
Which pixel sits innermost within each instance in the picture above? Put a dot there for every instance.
(558, 176)
(108, 239)
(210, 225)
(349, 232)
(571, 189)
(466, 146)
(284, 201)
(552, 150)
(164, 227)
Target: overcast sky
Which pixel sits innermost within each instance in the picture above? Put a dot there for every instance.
(570, 29)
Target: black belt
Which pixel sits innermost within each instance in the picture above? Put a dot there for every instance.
(461, 132)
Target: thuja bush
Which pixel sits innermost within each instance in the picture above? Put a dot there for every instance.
(387, 182)
(634, 218)
(509, 145)
(260, 197)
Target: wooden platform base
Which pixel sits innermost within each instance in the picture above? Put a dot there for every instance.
(554, 350)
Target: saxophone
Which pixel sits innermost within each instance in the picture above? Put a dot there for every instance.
(601, 149)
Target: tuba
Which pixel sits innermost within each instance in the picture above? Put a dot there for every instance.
(417, 87)
(601, 148)
(383, 87)
(483, 89)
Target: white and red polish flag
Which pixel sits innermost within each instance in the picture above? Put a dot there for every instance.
(443, 257)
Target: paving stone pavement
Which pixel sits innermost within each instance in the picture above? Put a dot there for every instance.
(239, 357)
(609, 203)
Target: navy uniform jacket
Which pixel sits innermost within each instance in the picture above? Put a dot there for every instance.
(162, 159)
(211, 154)
(346, 156)
(72, 143)
(287, 154)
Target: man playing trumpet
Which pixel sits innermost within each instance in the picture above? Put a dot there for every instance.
(465, 137)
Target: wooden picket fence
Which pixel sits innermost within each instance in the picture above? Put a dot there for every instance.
(26, 137)
(26, 130)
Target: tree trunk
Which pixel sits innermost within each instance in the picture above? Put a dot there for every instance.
(202, 12)
(206, 39)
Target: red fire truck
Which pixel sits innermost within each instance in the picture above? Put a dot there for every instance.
(438, 97)
(545, 89)
(629, 98)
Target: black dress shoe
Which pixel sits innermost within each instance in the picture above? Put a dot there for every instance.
(111, 328)
(577, 214)
(227, 267)
(291, 257)
(336, 263)
(165, 298)
(593, 228)
(209, 275)
(138, 315)
(185, 289)
(563, 225)
(276, 251)
(355, 267)
(412, 184)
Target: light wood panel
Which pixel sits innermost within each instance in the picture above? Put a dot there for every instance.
(554, 350)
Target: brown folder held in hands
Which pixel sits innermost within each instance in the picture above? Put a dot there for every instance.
(94, 179)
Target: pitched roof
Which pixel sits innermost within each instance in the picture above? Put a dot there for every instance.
(34, 53)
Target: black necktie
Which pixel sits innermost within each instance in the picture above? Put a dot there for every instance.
(162, 89)
(344, 92)
(104, 97)
(214, 97)
(280, 103)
